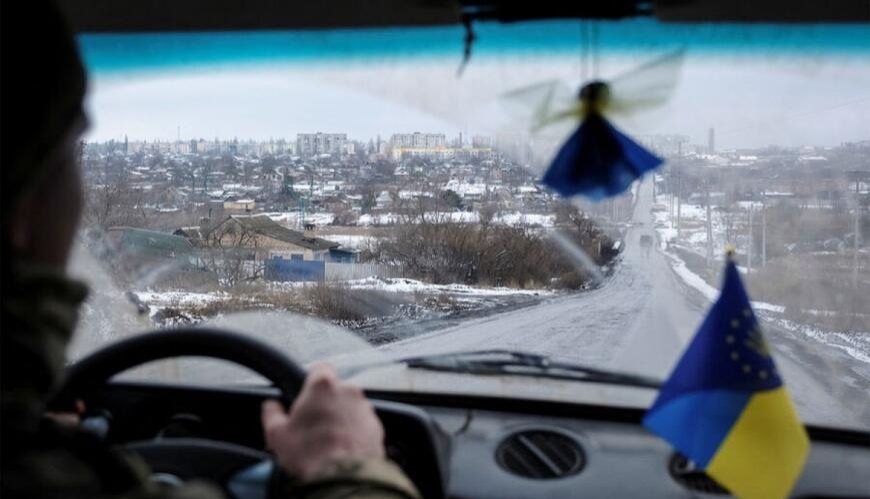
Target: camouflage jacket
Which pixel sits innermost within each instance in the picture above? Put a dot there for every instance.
(42, 459)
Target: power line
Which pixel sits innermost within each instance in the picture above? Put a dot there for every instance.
(800, 115)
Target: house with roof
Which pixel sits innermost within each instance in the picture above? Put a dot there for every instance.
(193, 235)
(269, 239)
(235, 204)
(165, 258)
(148, 243)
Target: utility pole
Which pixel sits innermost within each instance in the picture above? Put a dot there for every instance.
(857, 234)
(749, 245)
(300, 220)
(680, 186)
(709, 226)
(763, 229)
(858, 176)
(680, 201)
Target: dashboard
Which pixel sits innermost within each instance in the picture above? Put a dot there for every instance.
(462, 447)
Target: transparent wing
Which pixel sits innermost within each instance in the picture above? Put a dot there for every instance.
(542, 104)
(646, 86)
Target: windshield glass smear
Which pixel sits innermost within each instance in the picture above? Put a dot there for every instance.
(346, 196)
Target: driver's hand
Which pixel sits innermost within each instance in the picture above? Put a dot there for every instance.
(330, 421)
(70, 420)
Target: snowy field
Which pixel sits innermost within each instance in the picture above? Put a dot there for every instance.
(412, 286)
(639, 320)
(351, 241)
(642, 317)
(461, 296)
(694, 238)
(291, 219)
(511, 218)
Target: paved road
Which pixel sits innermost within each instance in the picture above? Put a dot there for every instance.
(640, 320)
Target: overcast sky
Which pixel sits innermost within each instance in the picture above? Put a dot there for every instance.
(751, 101)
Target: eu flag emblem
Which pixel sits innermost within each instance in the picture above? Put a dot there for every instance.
(724, 405)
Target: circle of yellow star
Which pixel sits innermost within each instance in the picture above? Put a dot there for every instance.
(747, 368)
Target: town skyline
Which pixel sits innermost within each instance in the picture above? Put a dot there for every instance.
(750, 103)
(458, 139)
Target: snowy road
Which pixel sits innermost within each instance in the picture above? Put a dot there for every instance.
(640, 320)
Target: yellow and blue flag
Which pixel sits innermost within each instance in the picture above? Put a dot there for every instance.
(725, 407)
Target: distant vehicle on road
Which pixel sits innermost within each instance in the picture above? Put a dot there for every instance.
(646, 242)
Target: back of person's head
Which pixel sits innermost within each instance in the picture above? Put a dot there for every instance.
(42, 93)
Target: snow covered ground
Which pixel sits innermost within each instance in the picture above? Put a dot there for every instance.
(291, 219)
(509, 218)
(856, 345)
(694, 238)
(698, 283)
(172, 307)
(180, 299)
(351, 241)
(640, 320)
(403, 285)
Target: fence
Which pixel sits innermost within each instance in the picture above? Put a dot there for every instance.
(279, 269)
(346, 271)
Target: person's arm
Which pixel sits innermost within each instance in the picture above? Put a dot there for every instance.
(331, 444)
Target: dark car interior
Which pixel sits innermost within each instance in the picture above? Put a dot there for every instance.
(449, 445)
(443, 442)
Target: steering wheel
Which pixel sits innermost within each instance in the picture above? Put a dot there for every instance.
(243, 471)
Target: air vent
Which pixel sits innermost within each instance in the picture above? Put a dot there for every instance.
(688, 475)
(540, 455)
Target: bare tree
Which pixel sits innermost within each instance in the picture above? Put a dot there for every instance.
(230, 250)
(111, 200)
(729, 215)
(114, 202)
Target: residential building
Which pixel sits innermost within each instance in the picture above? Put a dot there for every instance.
(310, 144)
(234, 205)
(440, 153)
(418, 140)
(268, 239)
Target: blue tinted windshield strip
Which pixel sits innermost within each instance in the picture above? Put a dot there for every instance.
(124, 52)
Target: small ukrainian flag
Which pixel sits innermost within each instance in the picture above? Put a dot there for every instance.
(725, 406)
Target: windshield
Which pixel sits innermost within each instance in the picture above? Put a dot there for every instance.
(375, 181)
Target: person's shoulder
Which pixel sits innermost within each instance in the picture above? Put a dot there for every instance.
(57, 462)
(47, 472)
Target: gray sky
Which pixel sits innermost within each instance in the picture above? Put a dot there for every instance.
(750, 101)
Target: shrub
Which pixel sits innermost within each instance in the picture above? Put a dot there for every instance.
(340, 303)
(518, 256)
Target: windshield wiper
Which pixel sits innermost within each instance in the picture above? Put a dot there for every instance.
(508, 362)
